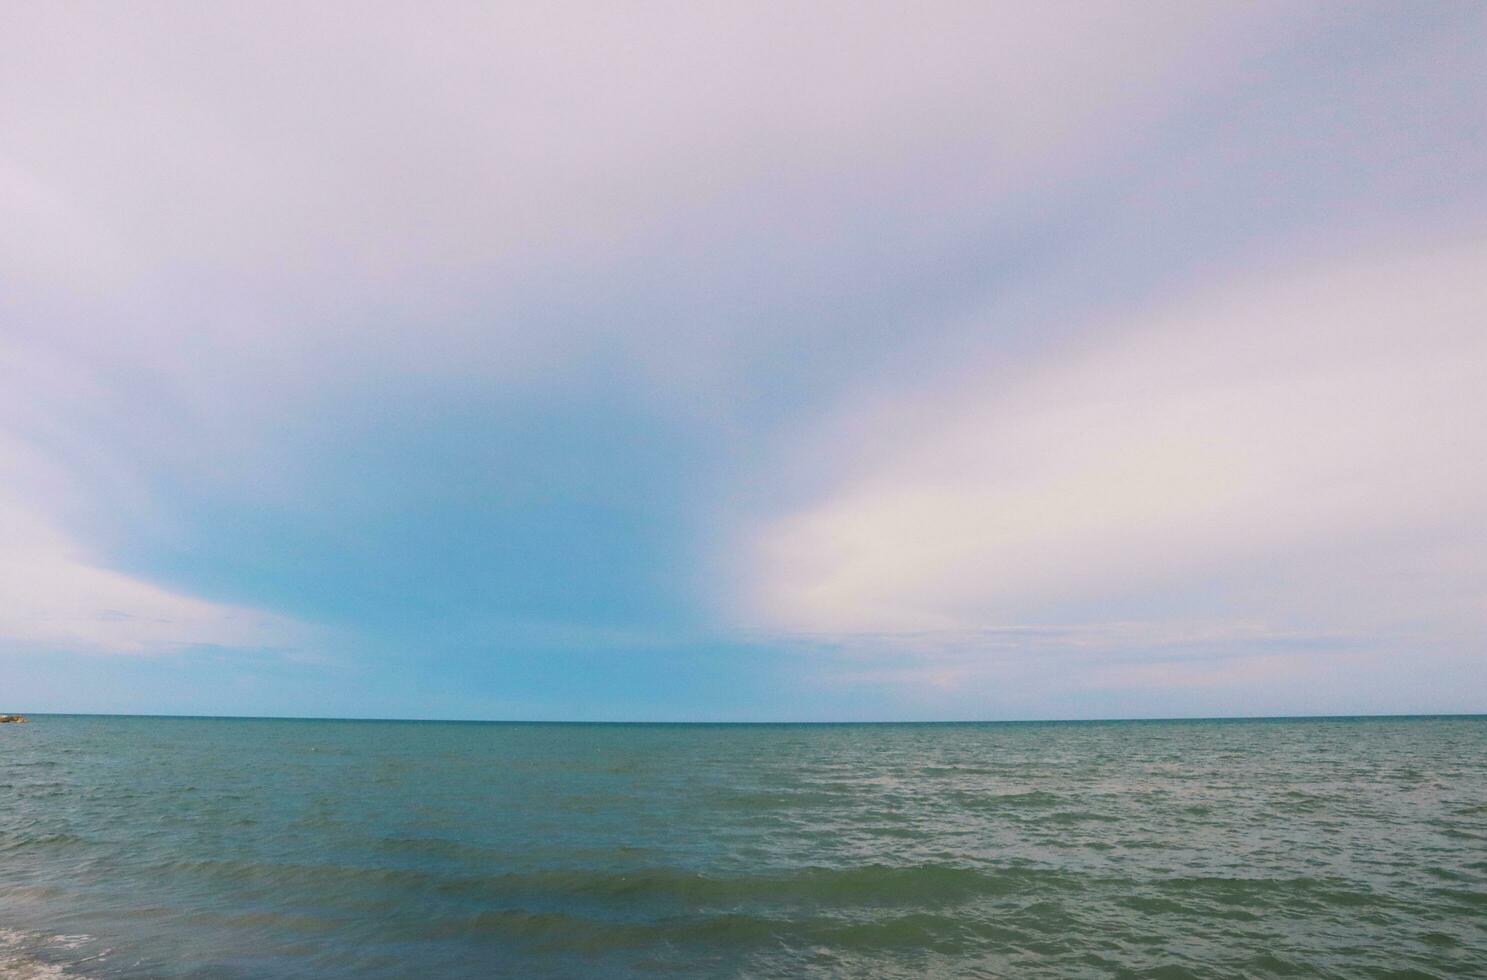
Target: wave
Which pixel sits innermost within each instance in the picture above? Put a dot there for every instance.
(573, 933)
(876, 884)
(17, 842)
(19, 959)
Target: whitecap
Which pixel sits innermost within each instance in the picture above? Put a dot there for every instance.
(17, 964)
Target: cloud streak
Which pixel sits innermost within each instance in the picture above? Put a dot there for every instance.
(55, 597)
(1307, 425)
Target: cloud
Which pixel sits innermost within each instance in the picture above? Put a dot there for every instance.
(1144, 669)
(440, 322)
(55, 596)
(278, 184)
(1306, 449)
(50, 600)
(227, 235)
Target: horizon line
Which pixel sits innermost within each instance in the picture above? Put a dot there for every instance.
(1384, 716)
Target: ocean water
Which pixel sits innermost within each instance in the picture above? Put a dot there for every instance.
(153, 847)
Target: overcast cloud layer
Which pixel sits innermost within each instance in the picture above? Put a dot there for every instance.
(655, 361)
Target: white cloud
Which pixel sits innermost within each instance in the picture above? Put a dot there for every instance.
(1309, 451)
(51, 600)
(53, 595)
(223, 218)
(270, 182)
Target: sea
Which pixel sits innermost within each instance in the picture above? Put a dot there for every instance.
(260, 848)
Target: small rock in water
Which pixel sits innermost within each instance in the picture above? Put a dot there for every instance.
(12, 718)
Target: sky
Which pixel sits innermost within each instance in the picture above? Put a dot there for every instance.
(676, 361)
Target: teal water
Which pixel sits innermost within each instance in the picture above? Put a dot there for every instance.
(152, 847)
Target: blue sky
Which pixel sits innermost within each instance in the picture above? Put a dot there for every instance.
(656, 362)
